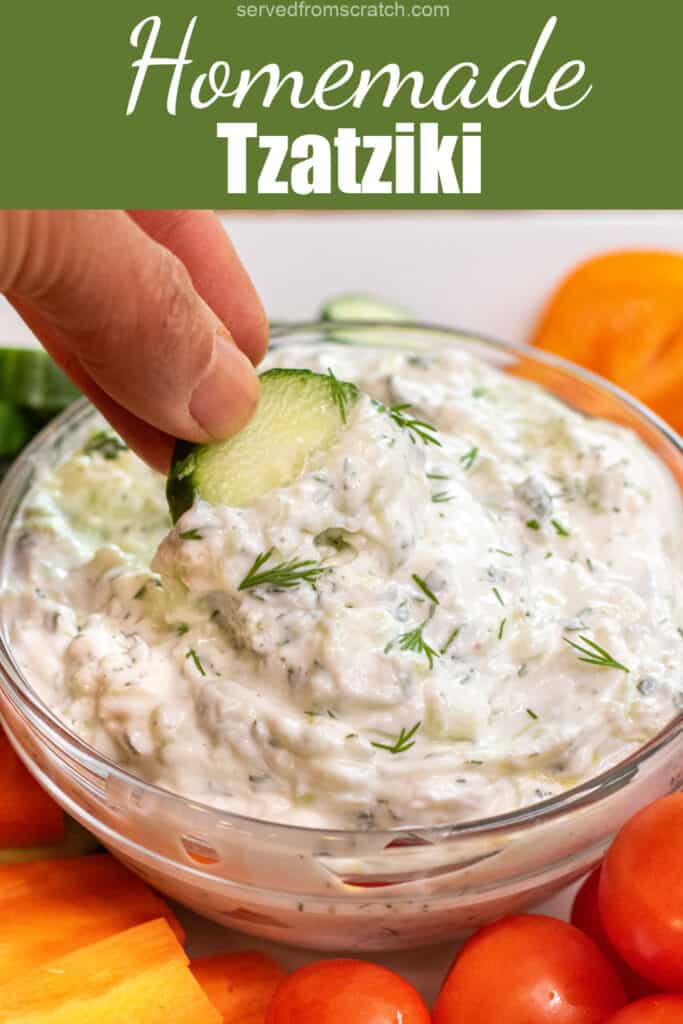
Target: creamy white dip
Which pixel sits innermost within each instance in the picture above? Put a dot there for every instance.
(428, 674)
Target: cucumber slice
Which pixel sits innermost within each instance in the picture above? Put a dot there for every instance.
(76, 843)
(363, 307)
(14, 430)
(299, 413)
(29, 377)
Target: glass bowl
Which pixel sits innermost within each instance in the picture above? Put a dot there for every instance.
(331, 889)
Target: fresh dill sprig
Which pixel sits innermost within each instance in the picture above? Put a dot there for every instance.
(182, 628)
(501, 628)
(594, 654)
(193, 534)
(341, 393)
(424, 588)
(533, 524)
(416, 428)
(414, 640)
(502, 551)
(195, 658)
(452, 636)
(441, 497)
(404, 741)
(532, 714)
(499, 599)
(469, 458)
(283, 575)
(437, 476)
(560, 530)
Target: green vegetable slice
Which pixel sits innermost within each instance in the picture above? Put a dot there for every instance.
(299, 413)
(15, 430)
(346, 309)
(30, 378)
(363, 307)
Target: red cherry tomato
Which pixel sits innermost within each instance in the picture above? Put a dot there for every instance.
(586, 917)
(653, 1010)
(641, 893)
(345, 992)
(529, 969)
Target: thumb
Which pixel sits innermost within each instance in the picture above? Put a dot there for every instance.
(111, 303)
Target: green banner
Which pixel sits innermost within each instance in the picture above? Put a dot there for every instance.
(356, 105)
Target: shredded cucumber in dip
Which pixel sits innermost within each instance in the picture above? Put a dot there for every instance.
(469, 600)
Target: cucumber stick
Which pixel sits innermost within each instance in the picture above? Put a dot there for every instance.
(32, 390)
(15, 430)
(346, 310)
(363, 307)
(29, 377)
(299, 413)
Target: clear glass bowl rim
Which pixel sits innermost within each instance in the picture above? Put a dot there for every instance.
(18, 691)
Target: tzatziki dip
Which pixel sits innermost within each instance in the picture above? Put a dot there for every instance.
(469, 602)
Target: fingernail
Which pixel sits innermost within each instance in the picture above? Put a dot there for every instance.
(226, 397)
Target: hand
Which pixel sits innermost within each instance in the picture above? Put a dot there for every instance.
(150, 313)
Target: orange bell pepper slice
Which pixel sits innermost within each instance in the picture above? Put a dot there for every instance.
(621, 315)
(240, 985)
(28, 816)
(138, 976)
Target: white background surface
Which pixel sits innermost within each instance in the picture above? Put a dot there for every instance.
(485, 271)
(489, 271)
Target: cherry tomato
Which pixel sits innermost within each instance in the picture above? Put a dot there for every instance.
(586, 917)
(641, 893)
(653, 1010)
(345, 992)
(529, 969)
